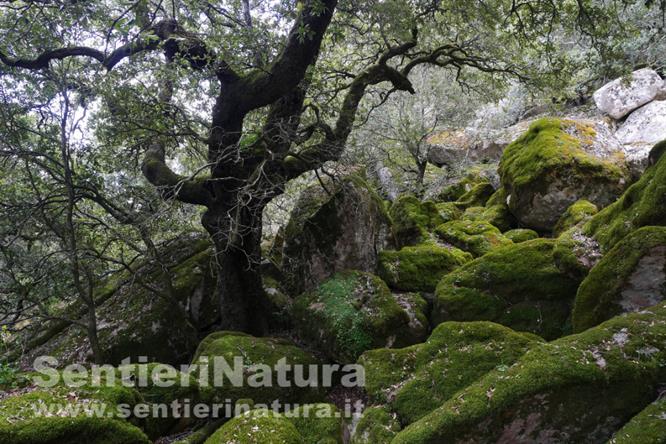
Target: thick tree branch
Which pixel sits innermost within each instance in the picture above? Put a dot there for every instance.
(170, 184)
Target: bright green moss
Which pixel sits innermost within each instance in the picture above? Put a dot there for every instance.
(318, 423)
(519, 235)
(549, 146)
(472, 177)
(477, 196)
(517, 285)
(580, 388)
(475, 237)
(75, 422)
(643, 204)
(78, 430)
(413, 220)
(418, 379)
(254, 353)
(257, 427)
(419, 268)
(551, 154)
(353, 312)
(448, 211)
(648, 427)
(580, 211)
(606, 290)
(377, 426)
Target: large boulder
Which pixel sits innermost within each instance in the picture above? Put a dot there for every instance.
(256, 354)
(643, 128)
(332, 229)
(630, 277)
(419, 268)
(621, 96)
(580, 388)
(556, 163)
(25, 418)
(518, 286)
(414, 381)
(353, 312)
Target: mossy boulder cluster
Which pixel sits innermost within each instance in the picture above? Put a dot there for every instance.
(581, 388)
(528, 312)
(414, 381)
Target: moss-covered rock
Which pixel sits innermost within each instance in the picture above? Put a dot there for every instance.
(413, 220)
(418, 379)
(580, 211)
(257, 427)
(378, 425)
(453, 189)
(518, 286)
(643, 204)
(580, 388)
(519, 235)
(353, 312)
(419, 268)
(306, 424)
(474, 236)
(67, 415)
(554, 164)
(497, 215)
(334, 229)
(448, 211)
(319, 423)
(255, 354)
(648, 427)
(477, 196)
(630, 277)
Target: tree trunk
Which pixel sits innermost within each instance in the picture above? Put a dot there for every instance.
(239, 288)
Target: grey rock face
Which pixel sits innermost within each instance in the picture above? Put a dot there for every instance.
(621, 96)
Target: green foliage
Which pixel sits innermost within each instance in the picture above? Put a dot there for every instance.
(353, 312)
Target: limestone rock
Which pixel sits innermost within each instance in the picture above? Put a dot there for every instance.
(421, 267)
(621, 96)
(414, 381)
